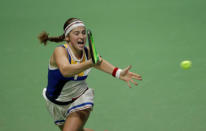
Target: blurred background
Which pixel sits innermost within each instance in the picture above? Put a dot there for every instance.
(153, 36)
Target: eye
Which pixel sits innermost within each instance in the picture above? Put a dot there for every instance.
(84, 32)
(76, 33)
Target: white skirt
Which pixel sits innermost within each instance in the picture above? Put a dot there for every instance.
(60, 112)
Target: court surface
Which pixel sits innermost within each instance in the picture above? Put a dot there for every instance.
(152, 36)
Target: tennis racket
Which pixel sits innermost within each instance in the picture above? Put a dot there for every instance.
(93, 51)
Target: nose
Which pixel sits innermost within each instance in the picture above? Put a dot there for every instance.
(81, 35)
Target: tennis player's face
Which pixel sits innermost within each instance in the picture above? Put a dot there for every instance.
(78, 38)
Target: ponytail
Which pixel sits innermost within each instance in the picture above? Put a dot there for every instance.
(44, 37)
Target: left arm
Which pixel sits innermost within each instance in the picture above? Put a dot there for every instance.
(125, 74)
(105, 66)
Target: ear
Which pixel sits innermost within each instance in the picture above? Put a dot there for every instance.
(67, 38)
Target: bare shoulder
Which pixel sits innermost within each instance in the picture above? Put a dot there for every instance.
(59, 52)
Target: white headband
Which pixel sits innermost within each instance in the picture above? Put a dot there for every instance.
(72, 26)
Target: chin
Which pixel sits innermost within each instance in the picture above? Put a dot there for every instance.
(81, 47)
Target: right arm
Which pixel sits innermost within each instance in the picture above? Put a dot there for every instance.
(67, 69)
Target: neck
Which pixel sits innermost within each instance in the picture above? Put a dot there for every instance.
(77, 53)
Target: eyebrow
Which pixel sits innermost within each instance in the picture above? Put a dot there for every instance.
(79, 31)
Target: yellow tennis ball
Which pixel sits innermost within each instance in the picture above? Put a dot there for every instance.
(186, 64)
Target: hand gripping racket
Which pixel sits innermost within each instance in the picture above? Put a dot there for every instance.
(93, 51)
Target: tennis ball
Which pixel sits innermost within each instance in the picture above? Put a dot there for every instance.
(186, 64)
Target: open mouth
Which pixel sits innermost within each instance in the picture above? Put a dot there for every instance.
(81, 42)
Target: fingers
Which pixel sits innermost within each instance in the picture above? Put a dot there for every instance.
(128, 76)
(129, 84)
(126, 70)
(134, 82)
(136, 76)
(99, 61)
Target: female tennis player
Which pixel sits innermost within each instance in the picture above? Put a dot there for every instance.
(68, 98)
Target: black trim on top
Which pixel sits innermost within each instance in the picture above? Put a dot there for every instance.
(58, 102)
(62, 103)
